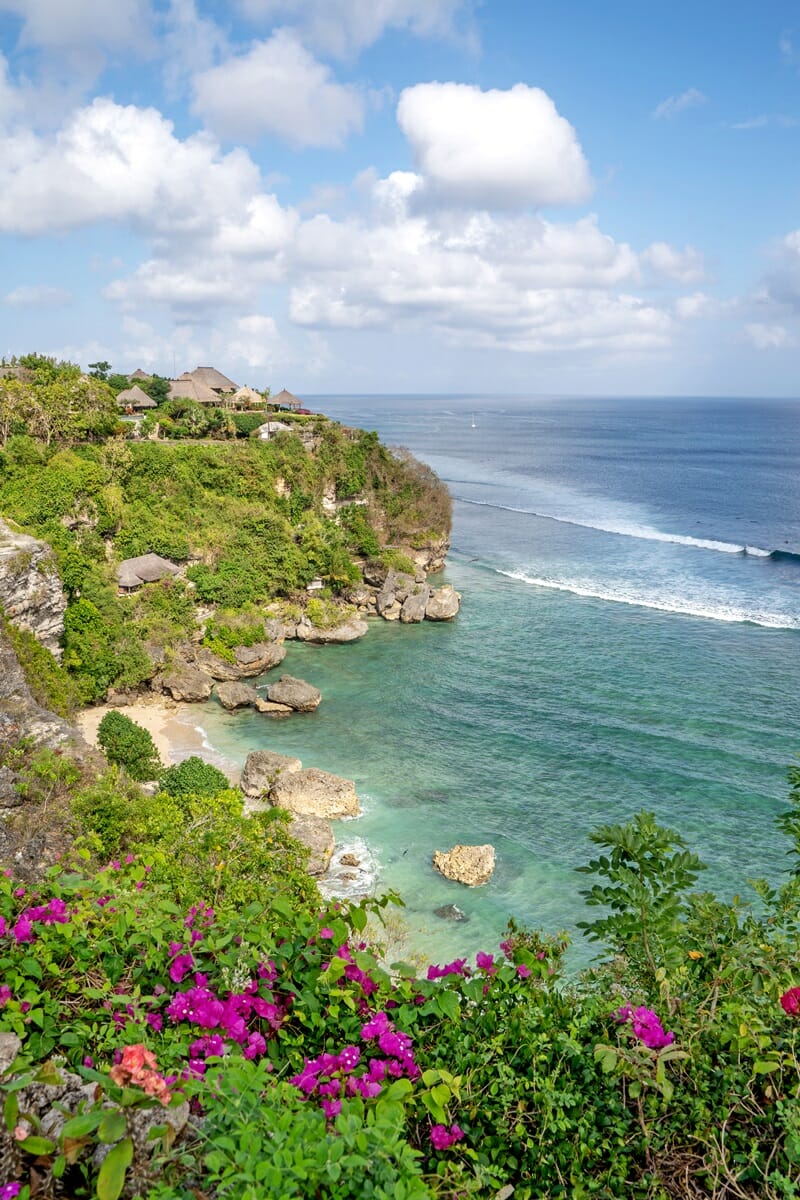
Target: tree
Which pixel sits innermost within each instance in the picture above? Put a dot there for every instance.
(157, 388)
(130, 746)
(100, 370)
(193, 777)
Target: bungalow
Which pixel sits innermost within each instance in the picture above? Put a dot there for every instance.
(132, 573)
(133, 399)
(186, 387)
(210, 377)
(285, 399)
(247, 397)
(138, 374)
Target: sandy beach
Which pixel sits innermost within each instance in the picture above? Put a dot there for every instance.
(172, 726)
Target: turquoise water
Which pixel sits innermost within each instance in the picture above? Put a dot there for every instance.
(617, 649)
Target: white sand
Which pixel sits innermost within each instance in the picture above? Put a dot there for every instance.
(172, 727)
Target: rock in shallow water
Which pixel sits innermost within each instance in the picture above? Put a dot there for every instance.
(471, 865)
(236, 695)
(450, 912)
(262, 768)
(316, 793)
(296, 693)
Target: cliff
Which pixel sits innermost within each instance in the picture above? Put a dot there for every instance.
(31, 594)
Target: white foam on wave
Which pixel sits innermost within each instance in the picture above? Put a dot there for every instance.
(343, 881)
(717, 612)
(624, 529)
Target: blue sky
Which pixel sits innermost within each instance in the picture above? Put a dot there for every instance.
(407, 195)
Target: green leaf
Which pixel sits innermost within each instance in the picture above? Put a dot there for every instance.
(111, 1177)
(113, 1126)
(84, 1123)
(398, 1089)
(763, 1066)
(447, 1003)
(10, 1111)
(37, 1145)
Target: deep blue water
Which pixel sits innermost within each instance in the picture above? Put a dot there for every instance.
(629, 638)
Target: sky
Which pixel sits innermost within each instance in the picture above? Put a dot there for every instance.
(407, 196)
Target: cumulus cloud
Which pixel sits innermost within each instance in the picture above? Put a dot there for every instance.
(278, 88)
(114, 162)
(344, 27)
(680, 266)
(696, 305)
(59, 26)
(768, 337)
(37, 296)
(495, 149)
(674, 105)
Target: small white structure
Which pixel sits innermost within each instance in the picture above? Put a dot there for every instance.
(270, 428)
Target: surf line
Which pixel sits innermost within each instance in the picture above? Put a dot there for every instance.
(643, 532)
(739, 616)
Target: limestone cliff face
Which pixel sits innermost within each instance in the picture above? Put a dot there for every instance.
(30, 588)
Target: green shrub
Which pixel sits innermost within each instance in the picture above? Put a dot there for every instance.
(50, 684)
(247, 423)
(193, 777)
(128, 745)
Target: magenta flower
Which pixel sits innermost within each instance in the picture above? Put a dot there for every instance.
(331, 1108)
(442, 1137)
(457, 967)
(523, 971)
(485, 962)
(645, 1025)
(5, 995)
(326, 933)
(9, 1190)
(180, 967)
(23, 930)
(790, 1002)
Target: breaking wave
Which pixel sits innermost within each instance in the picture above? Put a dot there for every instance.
(712, 612)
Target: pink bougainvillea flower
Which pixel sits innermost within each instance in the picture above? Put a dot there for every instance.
(9, 1190)
(790, 1002)
(485, 962)
(523, 971)
(646, 1026)
(442, 1137)
(23, 930)
(326, 933)
(331, 1108)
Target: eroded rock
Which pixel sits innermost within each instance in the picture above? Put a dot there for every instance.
(262, 768)
(317, 835)
(316, 793)
(349, 631)
(184, 683)
(471, 865)
(415, 604)
(443, 604)
(296, 693)
(236, 695)
(31, 593)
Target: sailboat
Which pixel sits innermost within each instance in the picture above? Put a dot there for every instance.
(474, 423)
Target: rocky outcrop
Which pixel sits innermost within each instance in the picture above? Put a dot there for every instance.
(30, 588)
(450, 912)
(349, 631)
(271, 709)
(472, 865)
(316, 793)
(415, 604)
(21, 716)
(184, 683)
(295, 693)
(443, 604)
(316, 834)
(236, 695)
(249, 661)
(263, 768)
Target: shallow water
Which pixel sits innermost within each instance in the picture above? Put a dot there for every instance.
(617, 649)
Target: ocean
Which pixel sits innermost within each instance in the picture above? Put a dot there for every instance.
(629, 638)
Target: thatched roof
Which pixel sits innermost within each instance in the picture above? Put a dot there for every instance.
(285, 400)
(248, 395)
(213, 379)
(147, 568)
(134, 397)
(186, 387)
(139, 374)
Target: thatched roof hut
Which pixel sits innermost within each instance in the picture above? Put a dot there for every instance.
(212, 378)
(247, 397)
(135, 398)
(285, 399)
(139, 374)
(186, 387)
(147, 568)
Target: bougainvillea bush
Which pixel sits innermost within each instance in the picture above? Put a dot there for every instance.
(274, 1053)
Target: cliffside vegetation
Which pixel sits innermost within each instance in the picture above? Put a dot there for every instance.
(198, 964)
(250, 520)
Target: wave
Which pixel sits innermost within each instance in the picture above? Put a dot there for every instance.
(642, 531)
(661, 604)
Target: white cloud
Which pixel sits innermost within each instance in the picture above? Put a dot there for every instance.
(696, 305)
(190, 44)
(768, 337)
(495, 149)
(344, 27)
(674, 105)
(278, 88)
(764, 120)
(64, 25)
(37, 296)
(681, 266)
(120, 163)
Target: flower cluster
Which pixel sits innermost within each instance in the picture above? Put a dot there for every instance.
(645, 1025)
(200, 1005)
(138, 1065)
(9, 1190)
(332, 1076)
(55, 912)
(457, 967)
(442, 1137)
(790, 1002)
(353, 972)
